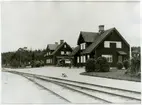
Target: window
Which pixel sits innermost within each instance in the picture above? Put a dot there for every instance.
(81, 59)
(108, 57)
(88, 56)
(106, 44)
(65, 46)
(47, 53)
(67, 61)
(77, 59)
(68, 52)
(82, 46)
(48, 61)
(84, 59)
(118, 45)
(62, 52)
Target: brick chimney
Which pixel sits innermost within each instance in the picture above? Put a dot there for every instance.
(61, 41)
(101, 29)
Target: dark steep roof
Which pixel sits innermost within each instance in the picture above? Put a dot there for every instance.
(97, 40)
(52, 46)
(75, 50)
(58, 47)
(89, 36)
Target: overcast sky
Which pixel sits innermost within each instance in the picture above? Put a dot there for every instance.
(36, 24)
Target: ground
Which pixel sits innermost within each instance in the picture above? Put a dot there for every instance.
(19, 90)
(74, 74)
(113, 74)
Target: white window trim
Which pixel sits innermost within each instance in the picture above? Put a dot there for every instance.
(78, 59)
(68, 52)
(65, 46)
(62, 52)
(82, 46)
(107, 44)
(88, 56)
(108, 57)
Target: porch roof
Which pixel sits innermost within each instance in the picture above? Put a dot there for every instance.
(122, 53)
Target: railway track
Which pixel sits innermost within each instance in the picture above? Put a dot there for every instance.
(79, 92)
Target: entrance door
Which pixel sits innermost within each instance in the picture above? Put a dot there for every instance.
(119, 58)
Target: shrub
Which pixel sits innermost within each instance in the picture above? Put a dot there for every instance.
(97, 67)
(105, 67)
(126, 64)
(101, 60)
(119, 65)
(41, 63)
(102, 64)
(37, 64)
(90, 65)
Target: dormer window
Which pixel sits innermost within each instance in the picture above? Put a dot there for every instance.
(83, 46)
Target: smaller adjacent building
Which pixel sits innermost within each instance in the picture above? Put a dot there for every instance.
(58, 53)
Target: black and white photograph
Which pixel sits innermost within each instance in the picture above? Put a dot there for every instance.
(70, 52)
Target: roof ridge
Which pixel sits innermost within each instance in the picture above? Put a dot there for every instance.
(98, 32)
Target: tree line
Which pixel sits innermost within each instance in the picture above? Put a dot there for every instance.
(22, 57)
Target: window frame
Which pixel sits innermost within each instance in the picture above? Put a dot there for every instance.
(82, 46)
(62, 53)
(78, 60)
(109, 57)
(107, 44)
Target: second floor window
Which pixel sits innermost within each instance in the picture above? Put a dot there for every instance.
(107, 44)
(68, 52)
(83, 46)
(48, 53)
(62, 52)
(65, 46)
(118, 45)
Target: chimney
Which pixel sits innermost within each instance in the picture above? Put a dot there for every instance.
(61, 41)
(101, 29)
(56, 43)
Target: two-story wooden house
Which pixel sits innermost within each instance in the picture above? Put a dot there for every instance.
(107, 43)
(58, 52)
